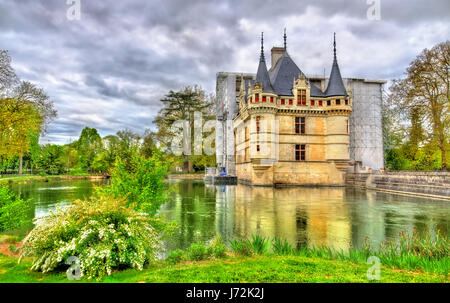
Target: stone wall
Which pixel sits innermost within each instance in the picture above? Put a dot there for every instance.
(432, 184)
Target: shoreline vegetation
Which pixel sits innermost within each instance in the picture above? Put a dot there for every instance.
(28, 178)
(411, 258)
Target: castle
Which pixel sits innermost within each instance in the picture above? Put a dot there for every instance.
(287, 128)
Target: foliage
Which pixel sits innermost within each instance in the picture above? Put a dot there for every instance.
(13, 210)
(197, 252)
(281, 246)
(181, 106)
(420, 103)
(50, 159)
(259, 244)
(141, 182)
(217, 248)
(242, 247)
(102, 232)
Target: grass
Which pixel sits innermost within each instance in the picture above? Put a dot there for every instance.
(261, 268)
(416, 257)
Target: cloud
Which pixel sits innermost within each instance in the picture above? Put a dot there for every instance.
(110, 69)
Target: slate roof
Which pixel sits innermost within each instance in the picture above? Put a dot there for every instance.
(262, 77)
(335, 84)
(283, 74)
(280, 78)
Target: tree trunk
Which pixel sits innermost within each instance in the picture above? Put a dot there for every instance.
(20, 164)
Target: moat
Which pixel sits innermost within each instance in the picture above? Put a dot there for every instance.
(336, 217)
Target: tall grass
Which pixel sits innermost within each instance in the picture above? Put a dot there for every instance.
(412, 251)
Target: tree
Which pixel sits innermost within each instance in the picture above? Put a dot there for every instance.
(182, 105)
(88, 145)
(425, 90)
(24, 112)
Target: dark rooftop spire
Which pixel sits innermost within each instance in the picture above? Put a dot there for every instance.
(334, 46)
(261, 57)
(284, 38)
(335, 84)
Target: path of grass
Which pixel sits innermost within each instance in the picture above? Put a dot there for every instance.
(250, 269)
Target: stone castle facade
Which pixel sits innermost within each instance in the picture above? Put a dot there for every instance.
(291, 129)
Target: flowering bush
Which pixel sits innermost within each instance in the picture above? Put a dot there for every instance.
(102, 232)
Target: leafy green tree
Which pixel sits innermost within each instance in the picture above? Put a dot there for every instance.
(13, 210)
(424, 95)
(182, 105)
(88, 145)
(142, 183)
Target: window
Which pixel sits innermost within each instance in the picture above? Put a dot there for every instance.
(328, 102)
(312, 102)
(257, 147)
(250, 99)
(256, 97)
(348, 128)
(338, 101)
(301, 97)
(346, 101)
(282, 101)
(271, 99)
(299, 125)
(290, 101)
(257, 123)
(264, 99)
(300, 152)
(320, 103)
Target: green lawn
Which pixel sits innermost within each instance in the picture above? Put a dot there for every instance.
(234, 269)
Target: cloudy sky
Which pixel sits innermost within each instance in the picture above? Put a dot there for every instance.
(109, 69)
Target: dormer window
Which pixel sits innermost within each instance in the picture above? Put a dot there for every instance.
(301, 97)
(264, 99)
(346, 101)
(328, 102)
(291, 101)
(282, 101)
(312, 102)
(271, 99)
(338, 101)
(320, 103)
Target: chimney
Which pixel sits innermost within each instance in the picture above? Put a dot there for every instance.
(276, 53)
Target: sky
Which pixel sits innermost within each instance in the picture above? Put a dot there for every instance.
(110, 68)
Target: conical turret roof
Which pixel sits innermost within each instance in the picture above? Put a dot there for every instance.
(262, 75)
(335, 84)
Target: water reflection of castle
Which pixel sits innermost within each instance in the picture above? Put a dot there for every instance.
(334, 216)
(303, 216)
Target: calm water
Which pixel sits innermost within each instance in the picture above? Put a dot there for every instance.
(337, 217)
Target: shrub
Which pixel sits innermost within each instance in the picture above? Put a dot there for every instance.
(176, 256)
(141, 182)
(197, 252)
(259, 244)
(242, 247)
(281, 247)
(102, 232)
(217, 248)
(13, 210)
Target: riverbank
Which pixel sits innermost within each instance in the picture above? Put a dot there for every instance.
(256, 269)
(185, 176)
(30, 178)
